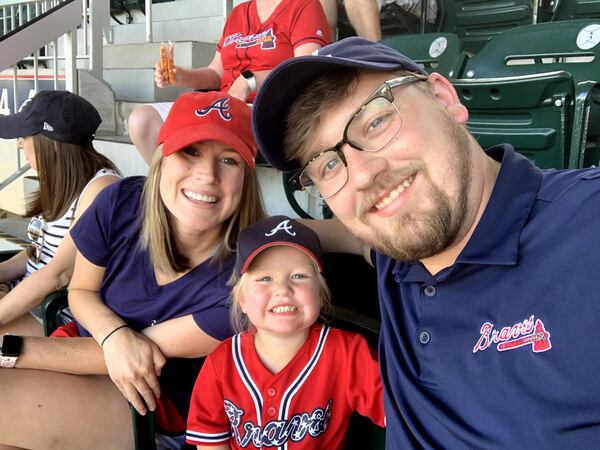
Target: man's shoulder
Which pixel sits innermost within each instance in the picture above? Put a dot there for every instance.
(556, 183)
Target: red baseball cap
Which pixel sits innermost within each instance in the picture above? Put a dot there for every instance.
(204, 116)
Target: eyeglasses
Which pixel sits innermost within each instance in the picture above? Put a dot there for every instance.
(372, 127)
(35, 232)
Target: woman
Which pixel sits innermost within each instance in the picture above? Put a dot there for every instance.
(150, 283)
(258, 35)
(55, 130)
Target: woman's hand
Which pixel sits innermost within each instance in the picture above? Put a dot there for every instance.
(134, 363)
(240, 89)
(161, 81)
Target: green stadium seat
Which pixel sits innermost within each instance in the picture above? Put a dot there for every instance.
(477, 21)
(528, 112)
(528, 53)
(437, 52)
(575, 9)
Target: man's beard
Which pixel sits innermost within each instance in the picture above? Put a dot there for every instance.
(416, 234)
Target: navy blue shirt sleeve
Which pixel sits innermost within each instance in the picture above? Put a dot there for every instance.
(91, 233)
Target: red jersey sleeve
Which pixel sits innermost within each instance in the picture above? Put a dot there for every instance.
(310, 25)
(207, 421)
(365, 391)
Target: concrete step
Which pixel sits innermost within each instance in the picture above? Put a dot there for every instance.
(132, 79)
(198, 20)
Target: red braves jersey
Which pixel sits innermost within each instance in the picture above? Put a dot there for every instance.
(307, 405)
(248, 44)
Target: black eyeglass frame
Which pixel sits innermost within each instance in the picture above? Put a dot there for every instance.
(385, 91)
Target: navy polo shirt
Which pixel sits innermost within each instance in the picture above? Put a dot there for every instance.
(502, 349)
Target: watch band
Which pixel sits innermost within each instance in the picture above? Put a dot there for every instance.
(248, 75)
(8, 362)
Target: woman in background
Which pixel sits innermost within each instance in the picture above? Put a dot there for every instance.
(55, 130)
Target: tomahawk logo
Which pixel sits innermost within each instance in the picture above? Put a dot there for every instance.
(529, 332)
(282, 226)
(221, 106)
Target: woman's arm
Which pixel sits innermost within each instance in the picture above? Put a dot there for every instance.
(240, 88)
(208, 77)
(30, 292)
(133, 361)
(13, 268)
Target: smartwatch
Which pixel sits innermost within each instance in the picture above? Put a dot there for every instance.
(10, 351)
(248, 75)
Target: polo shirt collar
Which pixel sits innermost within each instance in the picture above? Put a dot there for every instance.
(497, 235)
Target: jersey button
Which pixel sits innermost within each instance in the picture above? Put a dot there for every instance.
(424, 337)
(272, 411)
(430, 291)
(271, 392)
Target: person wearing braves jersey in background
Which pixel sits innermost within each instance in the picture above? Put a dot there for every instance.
(149, 292)
(285, 381)
(258, 35)
(486, 264)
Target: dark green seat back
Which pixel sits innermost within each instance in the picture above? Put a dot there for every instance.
(544, 48)
(477, 21)
(576, 9)
(425, 49)
(528, 112)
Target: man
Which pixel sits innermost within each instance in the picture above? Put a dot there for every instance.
(364, 15)
(487, 266)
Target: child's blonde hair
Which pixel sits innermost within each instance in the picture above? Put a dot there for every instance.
(239, 320)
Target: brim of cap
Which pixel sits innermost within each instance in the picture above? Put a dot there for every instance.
(207, 132)
(262, 248)
(283, 86)
(14, 126)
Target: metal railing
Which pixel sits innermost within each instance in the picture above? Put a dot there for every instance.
(45, 33)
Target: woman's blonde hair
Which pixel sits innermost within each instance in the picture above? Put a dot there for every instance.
(156, 231)
(239, 320)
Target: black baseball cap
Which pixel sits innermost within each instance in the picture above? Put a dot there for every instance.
(276, 230)
(59, 115)
(285, 83)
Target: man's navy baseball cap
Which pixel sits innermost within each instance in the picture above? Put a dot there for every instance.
(59, 115)
(274, 231)
(285, 83)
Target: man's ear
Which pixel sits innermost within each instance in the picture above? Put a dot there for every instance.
(445, 93)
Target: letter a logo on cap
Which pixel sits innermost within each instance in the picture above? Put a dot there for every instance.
(220, 105)
(284, 226)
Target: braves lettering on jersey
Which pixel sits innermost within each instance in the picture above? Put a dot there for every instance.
(307, 405)
(249, 44)
(220, 105)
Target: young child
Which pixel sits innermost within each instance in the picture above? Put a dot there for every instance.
(286, 382)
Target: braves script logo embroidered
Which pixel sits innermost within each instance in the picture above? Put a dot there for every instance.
(221, 106)
(529, 332)
(266, 39)
(277, 432)
(284, 226)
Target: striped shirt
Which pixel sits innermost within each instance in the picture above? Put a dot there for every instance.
(55, 231)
